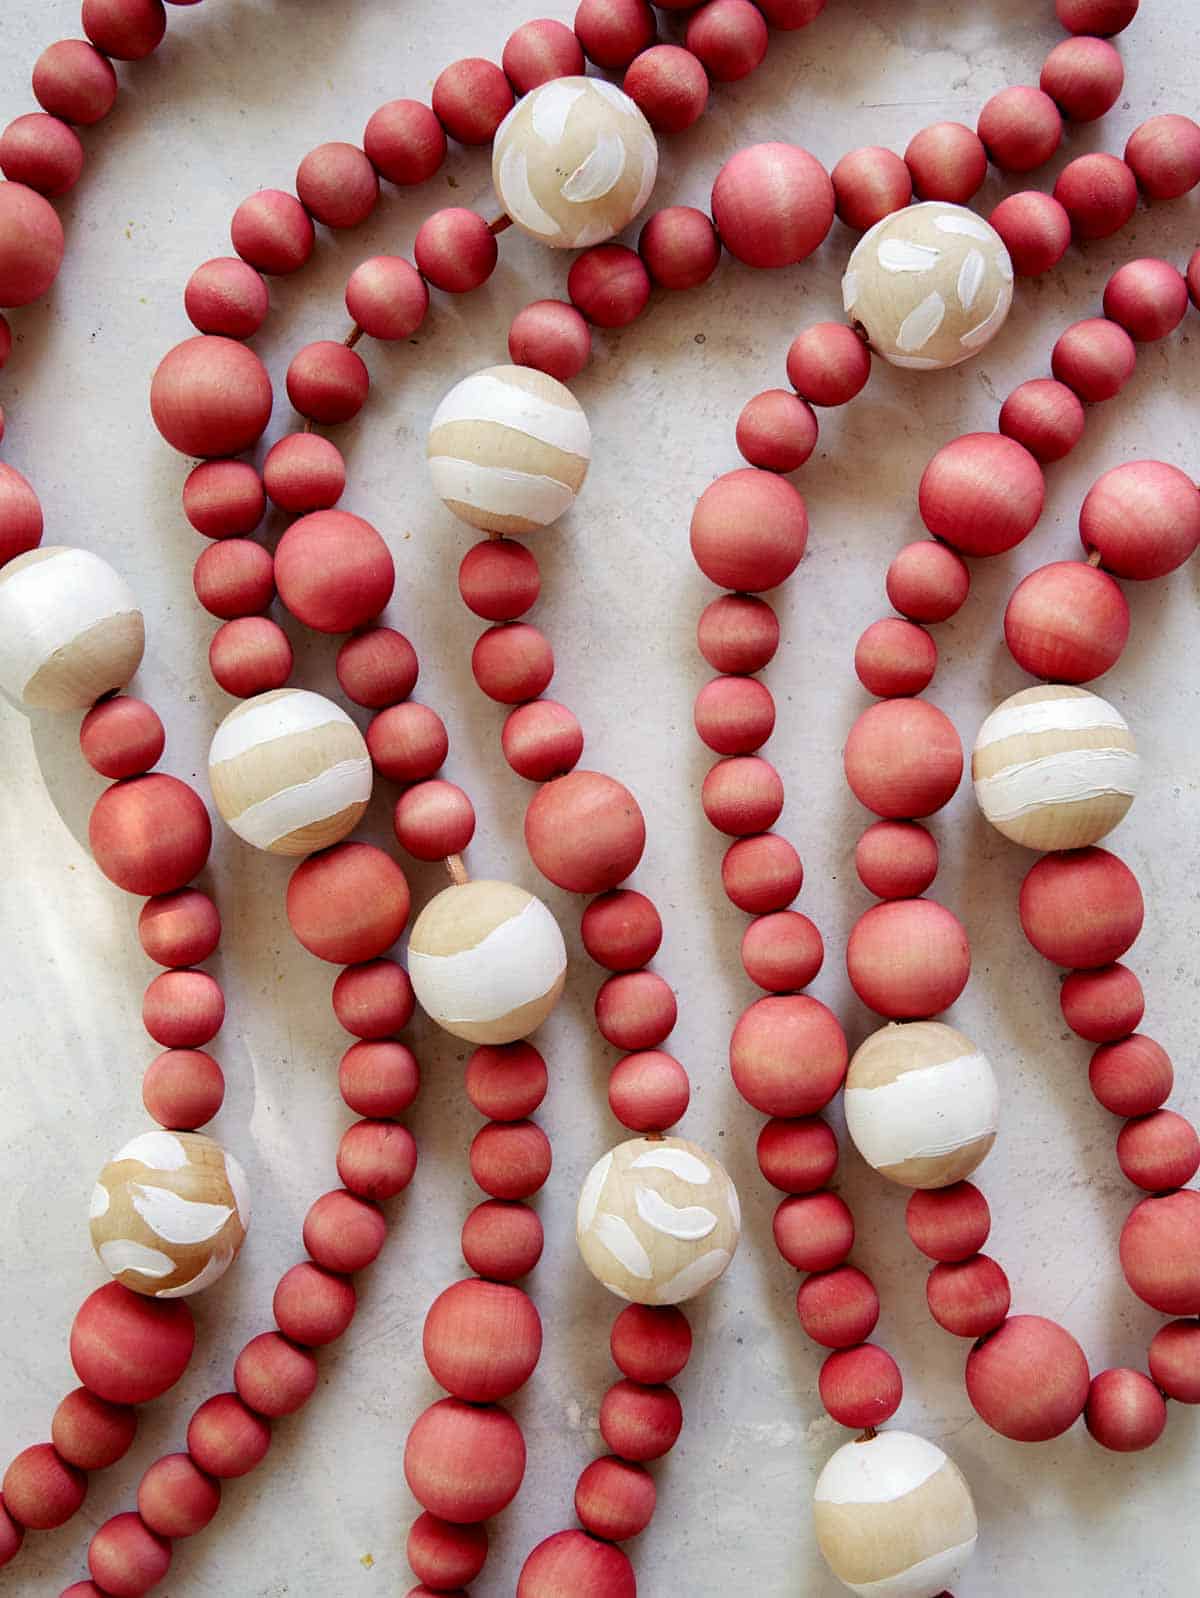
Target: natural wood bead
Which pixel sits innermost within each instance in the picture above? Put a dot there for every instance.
(377, 668)
(405, 141)
(125, 1557)
(211, 396)
(1067, 621)
(499, 579)
(1081, 908)
(870, 184)
(679, 247)
(651, 1345)
(379, 1079)
(1164, 156)
(1125, 1411)
(177, 1499)
(762, 874)
(1099, 193)
(128, 1349)
(536, 53)
(749, 530)
(343, 1233)
(90, 1433)
(648, 1091)
(1036, 229)
(1148, 298)
(861, 1386)
(814, 1231)
(639, 1422)
(896, 859)
(947, 161)
(506, 1082)
(1044, 416)
(982, 493)
(1084, 77)
(443, 1556)
(1132, 1076)
(150, 835)
(895, 657)
(227, 297)
(250, 656)
(348, 903)
(768, 1039)
(738, 633)
(122, 737)
(482, 1340)
(585, 832)
(1175, 1360)
(797, 1156)
(337, 185)
(1103, 1006)
(313, 1307)
(1028, 1380)
(777, 431)
(903, 758)
(1143, 517)
(464, 1463)
(615, 1499)
(572, 1562)
(273, 1376)
(41, 1491)
(376, 1159)
(1159, 1151)
(502, 1241)
(928, 582)
(669, 87)
(304, 472)
(838, 1308)
(408, 742)
(621, 930)
(635, 1010)
(183, 1089)
(968, 1298)
(510, 1160)
(227, 1439)
(224, 499)
(1021, 128)
(1160, 1252)
(948, 1224)
(742, 795)
(773, 205)
(782, 952)
(1096, 358)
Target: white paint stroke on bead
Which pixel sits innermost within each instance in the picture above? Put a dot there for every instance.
(919, 326)
(974, 338)
(517, 961)
(694, 1277)
(892, 1465)
(271, 716)
(622, 1242)
(1070, 713)
(48, 602)
(1070, 777)
(962, 221)
(518, 197)
(902, 255)
(615, 96)
(551, 108)
(240, 1187)
(649, 170)
(924, 1113)
(850, 286)
(346, 783)
(689, 1222)
(589, 1195)
(931, 1575)
(970, 279)
(735, 1207)
(598, 174)
(124, 1254)
(916, 363)
(176, 1219)
(214, 1268)
(499, 490)
(158, 1151)
(100, 1202)
(680, 1162)
(488, 398)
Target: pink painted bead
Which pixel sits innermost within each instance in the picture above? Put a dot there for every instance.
(1029, 1380)
(31, 244)
(1099, 193)
(770, 1036)
(444, 1556)
(669, 86)
(1084, 77)
(235, 577)
(126, 30)
(776, 431)
(175, 1498)
(433, 820)
(90, 1433)
(471, 98)
(814, 1231)
(377, 668)
(183, 1009)
(782, 952)
(635, 1010)
(512, 662)
(405, 142)
(273, 232)
(622, 930)
(506, 1082)
(313, 1307)
(761, 874)
(510, 1160)
(1159, 1151)
(456, 250)
(790, 14)
(614, 1499)
(542, 740)
(908, 959)
(947, 162)
(742, 795)
(482, 1340)
(125, 1557)
(41, 1491)
(333, 570)
(734, 715)
(328, 382)
(373, 999)
(612, 32)
(1104, 17)
(540, 51)
(1036, 229)
(1021, 128)
(1164, 156)
(304, 472)
(828, 364)
(896, 859)
(1125, 1411)
(968, 1298)
(640, 1422)
(649, 1091)
(337, 185)
(42, 152)
(860, 1386)
(1160, 1251)
(982, 493)
(228, 297)
(407, 742)
(1175, 1360)
(12, 1535)
(1081, 908)
(552, 337)
(928, 582)
(773, 205)
(1094, 357)
(680, 248)
(379, 1078)
(869, 184)
(211, 396)
(183, 1089)
(1148, 298)
(894, 657)
(501, 1241)
(749, 530)
(650, 1345)
(224, 499)
(226, 1438)
(499, 578)
(738, 633)
(1143, 517)
(585, 831)
(342, 1233)
(797, 1156)
(1067, 622)
(1045, 416)
(250, 656)
(609, 285)
(72, 80)
(1132, 1076)
(728, 37)
(903, 759)
(1103, 1006)
(948, 1224)
(376, 1160)
(387, 297)
(838, 1308)
(122, 737)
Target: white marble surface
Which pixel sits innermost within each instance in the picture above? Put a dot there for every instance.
(232, 101)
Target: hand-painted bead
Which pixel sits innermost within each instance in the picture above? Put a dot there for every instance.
(1028, 1380)
(773, 204)
(768, 1039)
(378, 1079)
(797, 1156)
(464, 1463)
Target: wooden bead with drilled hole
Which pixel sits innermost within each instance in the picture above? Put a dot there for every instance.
(502, 1241)
(648, 1091)
(274, 1377)
(1081, 908)
(797, 1156)
(377, 668)
(333, 571)
(510, 1160)
(828, 364)
(90, 1433)
(1036, 229)
(226, 1438)
(814, 1231)
(464, 1463)
(1160, 1252)
(183, 1009)
(928, 582)
(738, 633)
(373, 1000)
(499, 579)
(585, 832)
(123, 737)
(211, 396)
(615, 1499)
(742, 795)
(1099, 193)
(903, 759)
(982, 493)
(635, 1010)
(1084, 77)
(128, 1349)
(348, 903)
(1068, 622)
(762, 874)
(573, 1562)
(470, 99)
(552, 337)
(1148, 298)
(1044, 416)
(896, 859)
(41, 1491)
(1028, 1380)
(782, 952)
(443, 1556)
(513, 662)
(542, 740)
(506, 1082)
(1125, 1411)
(947, 162)
(1021, 128)
(949, 1224)
(669, 87)
(770, 1036)
(1132, 1076)
(773, 204)
(151, 834)
(379, 1079)
(313, 1307)
(869, 184)
(482, 1340)
(337, 185)
(1094, 357)
(895, 657)
(183, 1089)
(227, 297)
(176, 1498)
(838, 1308)
(968, 1298)
(1159, 1151)
(1175, 1360)
(376, 1159)
(622, 930)
(273, 232)
(224, 499)
(304, 472)
(1103, 1006)
(640, 1422)
(1164, 156)
(679, 247)
(407, 742)
(860, 1386)
(433, 820)
(776, 431)
(1143, 518)
(125, 1557)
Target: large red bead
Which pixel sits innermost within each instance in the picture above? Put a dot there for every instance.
(928, 582)
(585, 832)
(129, 1349)
(151, 834)
(348, 903)
(788, 1055)
(572, 1562)
(464, 1463)
(1175, 1360)
(773, 204)
(1029, 1380)
(1143, 518)
(211, 396)
(903, 758)
(1067, 622)
(982, 493)
(1149, 299)
(482, 1340)
(1125, 1411)
(908, 958)
(749, 530)
(1081, 908)
(1084, 77)
(1160, 1252)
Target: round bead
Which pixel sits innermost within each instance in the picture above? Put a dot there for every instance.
(1067, 621)
(782, 952)
(734, 715)
(773, 204)
(463, 1463)
(1099, 193)
(129, 1349)
(434, 820)
(250, 656)
(1029, 1380)
(797, 1156)
(502, 1240)
(224, 499)
(304, 472)
(328, 382)
(90, 1433)
(126, 30)
(777, 431)
(573, 1562)
(921, 1533)
(767, 1041)
(387, 297)
(123, 738)
(947, 162)
(235, 577)
(680, 247)
(1081, 908)
(482, 1340)
(639, 1422)
(73, 631)
(1084, 77)
(1045, 417)
(669, 87)
(443, 1556)
(211, 396)
(502, 421)
(1148, 298)
(585, 832)
(405, 141)
(1175, 1360)
(913, 1088)
(615, 1499)
(41, 1491)
(510, 1160)
(621, 930)
(861, 1386)
(72, 80)
(928, 582)
(1160, 1252)
(1021, 128)
(311, 1306)
(896, 859)
(635, 1010)
(227, 297)
(1103, 1006)
(738, 633)
(499, 579)
(333, 571)
(1104, 17)
(814, 1231)
(20, 514)
(272, 1376)
(648, 1091)
(348, 903)
(550, 135)
(749, 530)
(272, 232)
(512, 662)
(1094, 357)
(869, 184)
(374, 999)
(1159, 1151)
(982, 493)
(126, 1559)
(1125, 1411)
(552, 337)
(1036, 229)
(1132, 1076)
(487, 961)
(183, 1009)
(650, 1345)
(455, 250)
(903, 758)
(894, 657)
(742, 795)
(542, 740)
(470, 99)
(949, 1224)
(838, 1308)
(376, 1159)
(175, 1498)
(506, 1082)
(11, 1537)
(337, 185)
(828, 364)
(41, 152)
(970, 1298)
(536, 53)
(609, 285)
(613, 32)
(728, 38)
(1164, 156)
(32, 244)
(183, 1089)
(1143, 517)
(151, 834)
(226, 1439)
(407, 742)
(378, 1078)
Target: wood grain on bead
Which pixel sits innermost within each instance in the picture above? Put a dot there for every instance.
(376, 1159)
(767, 1041)
(813, 1231)
(90, 1433)
(150, 834)
(982, 494)
(1044, 416)
(585, 832)
(903, 758)
(1143, 518)
(333, 570)
(304, 472)
(838, 1308)
(537, 52)
(348, 903)
(1028, 1380)
(183, 1009)
(948, 163)
(1067, 622)
(177, 1499)
(183, 1089)
(773, 204)
(445, 1557)
(896, 859)
(33, 244)
(1099, 193)
(126, 30)
(1125, 1411)
(482, 1340)
(573, 1562)
(928, 582)
(1131, 1076)
(464, 1463)
(1164, 156)
(129, 1349)
(1081, 908)
(1160, 1252)
(869, 184)
(211, 396)
(1036, 229)
(749, 530)
(669, 87)
(649, 1091)
(123, 737)
(680, 247)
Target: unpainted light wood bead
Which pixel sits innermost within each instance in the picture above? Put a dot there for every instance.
(183, 1089)
(433, 820)
(777, 431)
(1028, 1380)
(1021, 128)
(151, 834)
(250, 656)
(376, 1159)
(513, 662)
(337, 185)
(407, 742)
(1068, 622)
(903, 758)
(968, 1298)
(274, 1377)
(770, 1037)
(947, 161)
(651, 1344)
(1148, 298)
(635, 1010)
(224, 499)
(1099, 193)
(125, 1557)
(72, 80)
(471, 99)
(333, 571)
(1103, 1006)
(1159, 1151)
(814, 1231)
(773, 204)
(377, 668)
(928, 582)
(896, 859)
(609, 285)
(797, 1156)
(742, 795)
(1044, 416)
(542, 740)
(982, 493)
(861, 1386)
(1103, 17)
(1036, 229)
(304, 472)
(455, 250)
(1164, 156)
(1160, 1252)
(680, 247)
(734, 715)
(949, 1224)
(537, 52)
(464, 1463)
(379, 1078)
(621, 930)
(895, 657)
(1125, 1411)
(1084, 77)
(615, 1498)
(510, 1160)
(183, 1009)
(648, 1091)
(313, 1307)
(42, 152)
(1096, 358)
(374, 999)
(327, 382)
(728, 38)
(1132, 1076)
(828, 364)
(1175, 1360)
(1143, 517)
(348, 903)
(129, 1349)
(749, 530)
(211, 396)
(123, 737)
(482, 1340)
(905, 1083)
(20, 512)
(869, 184)
(501, 1240)
(32, 244)
(226, 296)
(639, 1422)
(443, 1556)
(669, 87)
(90, 1433)
(838, 1308)
(126, 30)
(405, 141)
(585, 832)
(782, 952)
(506, 1082)
(235, 577)
(177, 1499)
(1081, 908)
(41, 1491)
(552, 337)
(738, 633)
(226, 1438)
(573, 1562)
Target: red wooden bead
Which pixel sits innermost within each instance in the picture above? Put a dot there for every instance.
(734, 715)
(1159, 1151)
(1103, 1005)
(615, 1499)
(510, 1160)
(773, 204)
(869, 184)
(635, 1010)
(387, 297)
(224, 499)
(379, 1078)
(502, 1241)
(894, 657)
(41, 152)
(513, 662)
(969, 1298)
(373, 1000)
(125, 1557)
(434, 820)
(680, 248)
(348, 903)
(471, 98)
(20, 514)
(1044, 416)
(838, 1308)
(1084, 77)
(1143, 517)
(729, 37)
(742, 795)
(768, 1041)
(1125, 1411)
(828, 364)
(1067, 621)
(613, 32)
(534, 54)
(896, 859)
(949, 1224)
(790, 14)
(908, 958)
(464, 1463)
(903, 758)
(183, 1089)
(1036, 229)
(1104, 17)
(649, 1091)
(542, 740)
(333, 570)
(211, 396)
(272, 232)
(928, 582)
(405, 141)
(1021, 128)
(1095, 357)
(814, 1231)
(41, 1491)
(1160, 1252)
(175, 1498)
(1029, 1380)
(90, 1433)
(126, 30)
(183, 1009)
(749, 530)
(377, 668)
(456, 250)
(337, 185)
(304, 472)
(622, 930)
(982, 493)
(1082, 907)
(31, 244)
(1175, 1360)
(947, 162)
(1148, 298)
(122, 737)
(609, 285)
(227, 297)
(860, 1386)
(311, 1306)
(1164, 156)
(226, 1439)
(738, 633)
(235, 577)
(482, 1340)
(443, 1556)
(407, 742)
(1131, 1077)
(1099, 193)
(585, 832)
(72, 80)
(669, 87)
(11, 1536)
(150, 834)
(376, 1159)
(250, 656)
(640, 1422)
(797, 1156)
(572, 1562)
(782, 952)
(129, 1349)
(506, 1081)
(499, 578)
(327, 382)
(777, 431)
(273, 1376)
(553, 337)
(651, 1345)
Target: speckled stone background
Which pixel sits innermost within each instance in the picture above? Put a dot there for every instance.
(239, 92)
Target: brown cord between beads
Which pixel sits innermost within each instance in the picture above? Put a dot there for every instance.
(458, 872)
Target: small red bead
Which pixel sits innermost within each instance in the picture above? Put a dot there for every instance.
(1175, 1360)
(499, 579)
(797, 1156)
(814, 1231)
(328, 382)
(982, 493)
(1068, 622)
(1036, 229)
(304, 472)
(123, 737)
(669, 86)
(1103, 1006)
(1084, 76)
(506, 1082)
(621, 930)
(387, 297)
(1125, 1411)
(738, 633)
(273, 1376)
(649, 1091)
(1081, 908)
(537, 52)
(742, 795)
(41, 1491)
(612, 32)
(968, 1298)
(125, 1557)
(72, 80)
(782, 952)
(1028, 1380)
(482, 1340)
(377, 668)
(552, 337)
(947, 162)
(777, 431)
(1132, 1076)
(828, 364)
(471, 98)
(273, 232)
(463, 1462)
(90, 1433)
(895, 657)
(949, 1224)
(542, 740)
(1148, 298)
(433, 820)
(378, 1079)
(771, 1035)
(175, 1498)
(773, 204)
(896, 859)
(31, 244)
(903, 759)
(1164, 156)
(870, 184)
(860, 1386)
(651, 1345)
(42, 152)
(1045, 416)
(838, 1308)
(456, 250)
(640, 1422)
(1104, 17)
(405, 141)
(338, 185)
(1099, 193)
(680, 248)
(1143, 517)
(224, 499)
(585, 832)
(235, 577)
(183, 1009)
(126, 30)
(183, 1089)
(228, 297)
(729, 38)
(373, 1000)
(635, 1010)
(502, 1241)
(250, 656)
(510, 1160)
(609, 285)
(444, 1556)
(11, 1537)
(333, 571)
(20, 509)
(908, 958)
(407, 742)
(734, 715)
(1021, 128)
(151, 834)
(376, 1159)
(1094, 357)
(513, 662)
(928, 582)
(313, 1307)
(1159, 1151)
(226, 1439)
(615, 1499)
